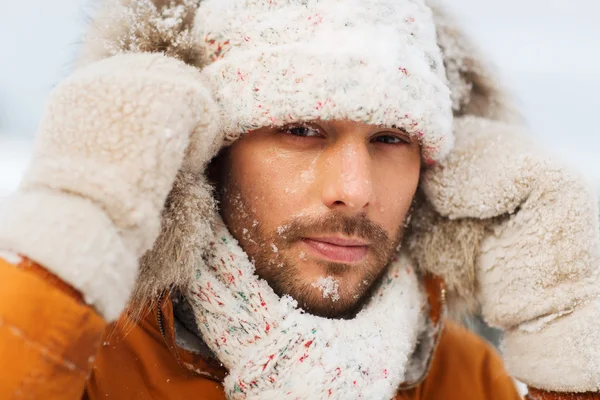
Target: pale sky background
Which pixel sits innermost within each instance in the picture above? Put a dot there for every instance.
(548, 51)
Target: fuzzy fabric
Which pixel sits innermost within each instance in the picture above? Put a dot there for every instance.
(37, 223)
(123, 26)
(130, 26)
(475, 88)
(140, 26)
(111, 143)
(242, 71)
(465, 199)
(558, 352)
(511, 231)
(266, 342)
(538, 258)
(271, 63)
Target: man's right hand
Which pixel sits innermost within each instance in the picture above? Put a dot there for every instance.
(112, 140)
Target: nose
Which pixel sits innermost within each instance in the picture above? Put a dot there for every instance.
(347, 178)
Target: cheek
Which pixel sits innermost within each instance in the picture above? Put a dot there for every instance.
(275, 184)
(395, 189)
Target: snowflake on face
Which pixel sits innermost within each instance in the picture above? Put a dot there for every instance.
(329, 287)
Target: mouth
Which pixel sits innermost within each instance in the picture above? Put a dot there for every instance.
(337, 249)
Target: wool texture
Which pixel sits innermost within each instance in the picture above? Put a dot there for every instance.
(35, 224)
(512, 232)
(537, 264)
(272, 63)
(459, 210)
(558, 352)
(266, 342)
(112, 141)
(130, 26)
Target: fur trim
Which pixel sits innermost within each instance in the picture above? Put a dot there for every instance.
(474, 82)
(133, 26)
(447, 248)
(187, 230)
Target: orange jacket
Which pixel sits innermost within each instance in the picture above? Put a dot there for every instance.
(53, 346)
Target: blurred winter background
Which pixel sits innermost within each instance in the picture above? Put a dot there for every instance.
(548, 51)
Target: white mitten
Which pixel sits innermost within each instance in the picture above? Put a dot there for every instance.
(538, 264)
(267, 343)
(113, 138)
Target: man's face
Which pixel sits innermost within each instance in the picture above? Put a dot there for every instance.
(319, 207)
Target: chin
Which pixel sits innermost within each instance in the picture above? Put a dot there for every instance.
(330, 297)
(324, 289)
(342, 308)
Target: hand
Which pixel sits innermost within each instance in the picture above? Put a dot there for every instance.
(113, 138)
(527, 243)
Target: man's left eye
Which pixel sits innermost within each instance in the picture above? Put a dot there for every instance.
(390, 139)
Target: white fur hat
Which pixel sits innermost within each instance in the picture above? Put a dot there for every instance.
(272, 62)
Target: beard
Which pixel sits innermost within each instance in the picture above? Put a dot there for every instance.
(333, 295)
(342, 289)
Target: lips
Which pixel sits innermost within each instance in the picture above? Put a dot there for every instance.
(336, 249)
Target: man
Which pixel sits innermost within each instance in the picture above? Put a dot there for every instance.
(302, 214)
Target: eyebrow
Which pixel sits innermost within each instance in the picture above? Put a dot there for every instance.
(403, 130)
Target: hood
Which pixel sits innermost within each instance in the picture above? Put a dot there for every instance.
(165, 26)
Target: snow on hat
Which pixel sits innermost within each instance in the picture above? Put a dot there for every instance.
(272, 62)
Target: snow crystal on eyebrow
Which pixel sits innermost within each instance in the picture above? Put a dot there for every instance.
(329, 287)
(275, 249)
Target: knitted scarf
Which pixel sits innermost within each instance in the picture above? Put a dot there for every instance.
(273, 350)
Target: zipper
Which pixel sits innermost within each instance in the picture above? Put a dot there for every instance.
(160, 318)
(184, 361)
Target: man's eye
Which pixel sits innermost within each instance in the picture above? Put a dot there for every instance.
(390, 139)
(301, 131)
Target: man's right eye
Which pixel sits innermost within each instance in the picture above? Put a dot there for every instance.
(301, 131)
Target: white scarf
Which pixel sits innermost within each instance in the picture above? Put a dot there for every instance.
(273, 350)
